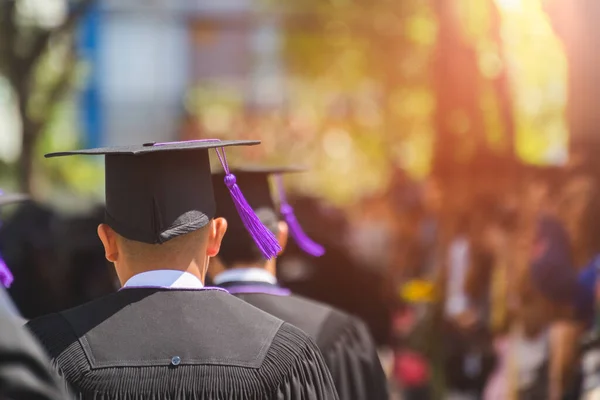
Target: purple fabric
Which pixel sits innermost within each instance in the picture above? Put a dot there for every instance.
(304, 242)
(187, 141)
(6, 277)
(171, 288)
(264, 289)
(265, 239)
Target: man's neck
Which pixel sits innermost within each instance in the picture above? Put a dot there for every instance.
(191, 269)
(170, 278)
(269, 266)
(252, 266)
(244, 275)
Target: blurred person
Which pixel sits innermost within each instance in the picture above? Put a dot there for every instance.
(556, 289)
(6, 275)
(429, 227)
(82, 247)
(371, 237)
(408, 210)
(574, 212)
(580, 212)
(526, 352)
(488, 287)
(24, 369)
(344, 340)
(314, 277)
(164, 334)
(469, 356)
(28, 243)
(542, 186)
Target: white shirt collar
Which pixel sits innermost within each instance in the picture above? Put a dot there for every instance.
(245, 275)
(165, 278)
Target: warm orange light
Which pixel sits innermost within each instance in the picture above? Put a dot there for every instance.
(512, 5)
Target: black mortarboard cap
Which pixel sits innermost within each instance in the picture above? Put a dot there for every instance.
(254, 182)
(158, 191)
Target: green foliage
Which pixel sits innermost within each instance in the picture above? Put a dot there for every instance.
(82, 176)
(539, 81)
(362, 69)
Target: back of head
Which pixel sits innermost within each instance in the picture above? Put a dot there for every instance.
(238, 247)
(180, 251)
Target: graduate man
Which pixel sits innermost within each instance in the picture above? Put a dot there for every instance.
(24, 369)
(164, 335)
(345, 341)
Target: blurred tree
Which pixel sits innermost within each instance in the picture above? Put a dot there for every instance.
(37, 58)
(576, 23)
(359, 99)
(474, 115)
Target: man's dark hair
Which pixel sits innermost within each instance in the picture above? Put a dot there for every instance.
(238, 247)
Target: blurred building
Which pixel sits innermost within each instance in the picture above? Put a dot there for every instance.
(144, 56)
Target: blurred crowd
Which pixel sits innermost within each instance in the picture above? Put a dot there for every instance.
(507, 287)
(488, 297)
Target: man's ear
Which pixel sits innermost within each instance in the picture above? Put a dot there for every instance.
(217, 229)
(109, 241)
(283, 235)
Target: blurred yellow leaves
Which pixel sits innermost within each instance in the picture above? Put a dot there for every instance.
(361, 92)
(538, 74)
(418, 291)
(421, 29)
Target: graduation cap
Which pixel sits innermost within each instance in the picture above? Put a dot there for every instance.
(6, 277)
(158, 191)
(254, 180)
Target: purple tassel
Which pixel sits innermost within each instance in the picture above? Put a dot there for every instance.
(6, 277)
(300, 237)
(263, 237)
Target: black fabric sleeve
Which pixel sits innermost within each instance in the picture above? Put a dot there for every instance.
(352, 358)
(25, 371)
(307, 376)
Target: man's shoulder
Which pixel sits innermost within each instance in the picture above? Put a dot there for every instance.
(229, 342)
(325, 314)
(227, 331)
(334, 324)
(321, 321)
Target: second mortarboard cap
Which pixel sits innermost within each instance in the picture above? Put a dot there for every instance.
(254, 181)
(158, 191)
(6, 277)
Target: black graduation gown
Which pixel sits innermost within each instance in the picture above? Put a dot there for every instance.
(149, 343)
(25, 371)
(344, 340)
